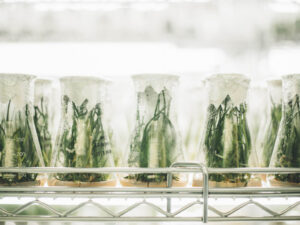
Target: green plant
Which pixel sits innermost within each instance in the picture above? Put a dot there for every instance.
(41, 122)
(16, 145)
(272, 130)
(288, 152)
(227, 141)
(83, 143)
(154, 143)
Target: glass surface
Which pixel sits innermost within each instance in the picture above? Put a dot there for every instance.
(83, 137)
(155, 141)
(17, 133)
(227, 142)
(287, 146)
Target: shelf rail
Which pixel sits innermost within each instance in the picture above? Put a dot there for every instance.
(203, 196)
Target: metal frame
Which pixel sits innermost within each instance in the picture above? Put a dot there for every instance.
(195, 195)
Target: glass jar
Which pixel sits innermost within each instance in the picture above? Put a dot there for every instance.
(226, 142)
(120, 91)
(257, 113)
(273, 121)
(44, 116)
(286, 151)
(192, 119)
(155, 141)
(83, 134)
(19, 145)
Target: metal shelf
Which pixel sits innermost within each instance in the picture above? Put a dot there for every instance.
(167, 204)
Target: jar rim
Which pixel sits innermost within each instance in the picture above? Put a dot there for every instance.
(154, 76)
(85, 78)
(43, 80)
(275, 82)
(17, 75)
(228, 76)
(290, 76)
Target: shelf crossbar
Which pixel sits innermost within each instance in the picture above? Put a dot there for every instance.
(196, 196)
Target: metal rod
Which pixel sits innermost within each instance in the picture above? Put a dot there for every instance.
(253, 170)
(100, 219)
(267, 218)
(256, 190)
(169, 184)
(149, 190)
(192, 169)
(99, 189)
(95, 170)
(98, 195)
(204, 172)
(167, 193)
(169, 177)
(205, 193)
(148, 195)
(145, 219)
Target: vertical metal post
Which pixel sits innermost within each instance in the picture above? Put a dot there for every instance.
(169, 185)
(204, 172)
(205, 193)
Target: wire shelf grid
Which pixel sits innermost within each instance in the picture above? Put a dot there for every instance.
(165, 202)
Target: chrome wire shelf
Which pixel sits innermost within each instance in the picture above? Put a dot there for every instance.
(118, 203)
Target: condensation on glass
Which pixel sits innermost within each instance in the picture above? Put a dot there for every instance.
(44, 114)
(155, 141)
(269, 133)
(83, 140)
(192, 101)
(19, 145)
(286, 151)
(226, 142)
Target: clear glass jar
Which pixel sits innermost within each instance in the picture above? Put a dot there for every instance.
(19, 145)
(226, 142)
(286, 151)
(83, 133)
(192, 113)
(44, 116)
(155, 141)
(119, 123)
(273, 121)
(257, 113)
